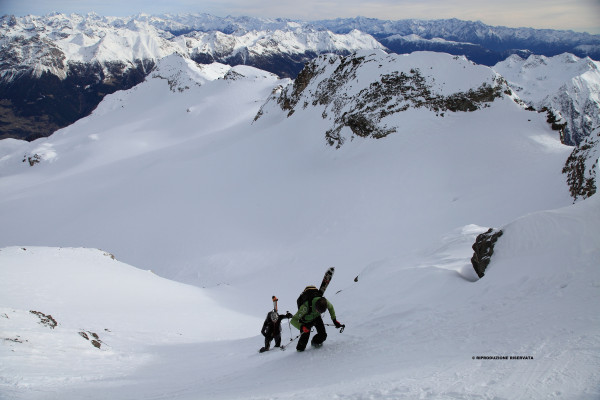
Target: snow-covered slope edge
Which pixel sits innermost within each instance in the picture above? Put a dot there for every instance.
(435, 334)
(111, 134)
(58, 305)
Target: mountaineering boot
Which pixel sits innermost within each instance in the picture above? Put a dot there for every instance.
(263, 349)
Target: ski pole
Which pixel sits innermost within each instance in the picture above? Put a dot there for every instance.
(341, 327)
(290, 342)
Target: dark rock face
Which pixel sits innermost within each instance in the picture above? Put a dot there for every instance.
(32, 107)
(283, 65)
(483, 249)
(581, 167)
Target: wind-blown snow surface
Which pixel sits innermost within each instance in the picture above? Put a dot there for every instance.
(172, 177)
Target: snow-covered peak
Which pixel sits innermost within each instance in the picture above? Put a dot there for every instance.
(565, 84)
(51, 43)
(537, 77)
(181, 72)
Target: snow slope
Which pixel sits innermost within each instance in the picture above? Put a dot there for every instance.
(172, 176)
(89, 293)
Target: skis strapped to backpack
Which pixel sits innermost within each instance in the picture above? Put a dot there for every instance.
(310, 292)
(326, 280)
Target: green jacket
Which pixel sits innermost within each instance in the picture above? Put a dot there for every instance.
(302, 317)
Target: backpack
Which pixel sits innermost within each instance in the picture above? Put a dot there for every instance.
(309, 293)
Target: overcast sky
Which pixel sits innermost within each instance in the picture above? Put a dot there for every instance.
(578, 15)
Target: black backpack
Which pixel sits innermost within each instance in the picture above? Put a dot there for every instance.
(309, 293)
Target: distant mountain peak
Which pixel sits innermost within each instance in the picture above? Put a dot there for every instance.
(565, 84)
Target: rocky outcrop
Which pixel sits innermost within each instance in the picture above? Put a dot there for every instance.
(358, 97)
(581, 167)
(483, 248)
(46, 320)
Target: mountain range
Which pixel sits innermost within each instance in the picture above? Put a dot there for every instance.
(55, 69)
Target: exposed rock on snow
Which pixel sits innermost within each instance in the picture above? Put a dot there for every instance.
(46, 320)
(483, 250)
(581, 167)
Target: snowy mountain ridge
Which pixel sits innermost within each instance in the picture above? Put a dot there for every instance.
(358, 106)
(438, 82)
(566, 85)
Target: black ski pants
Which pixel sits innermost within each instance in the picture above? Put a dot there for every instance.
(270, 337)
(317, 339)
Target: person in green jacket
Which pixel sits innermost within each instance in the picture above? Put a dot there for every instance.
(309, 315)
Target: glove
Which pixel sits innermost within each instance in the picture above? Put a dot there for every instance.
(289, 315)
(337, 324)
(304, 329)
